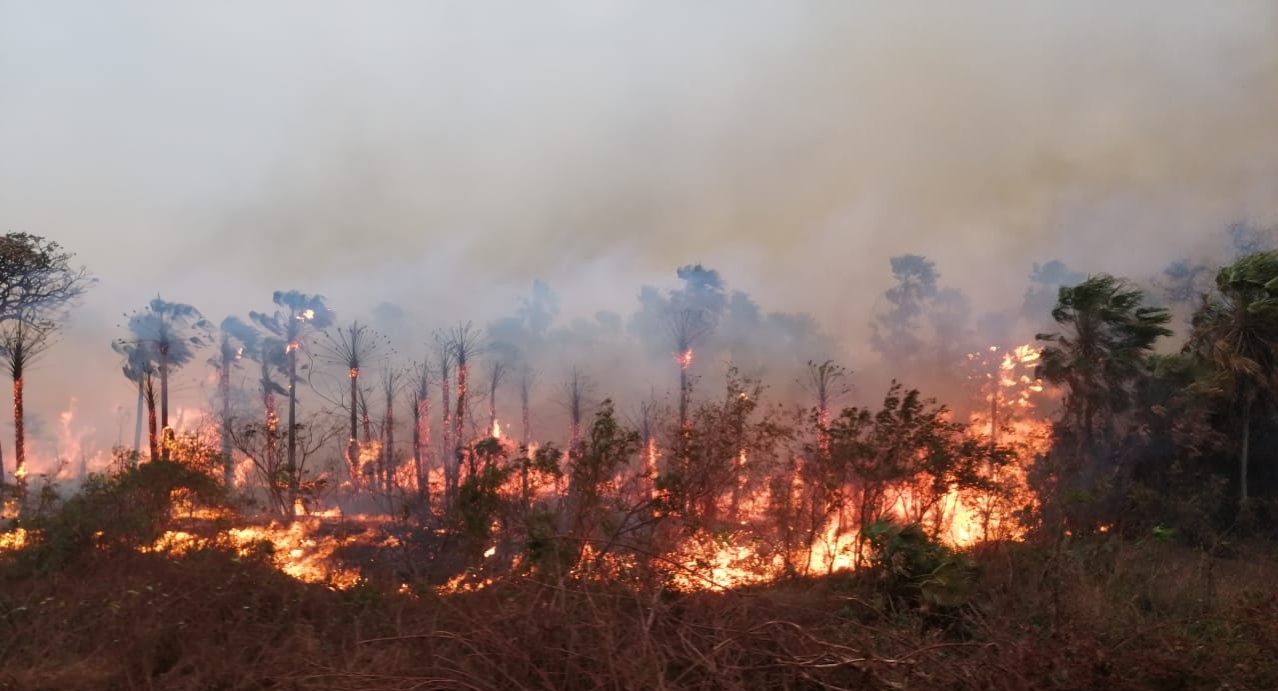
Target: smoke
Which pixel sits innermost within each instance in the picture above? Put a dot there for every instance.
(442, 156)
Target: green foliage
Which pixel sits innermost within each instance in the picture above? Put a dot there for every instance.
(916, 570)
(479, 500)
(1099, 355)
(121, 511)
(606, 448)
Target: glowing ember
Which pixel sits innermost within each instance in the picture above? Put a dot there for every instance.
(684, 359)
(14, 540)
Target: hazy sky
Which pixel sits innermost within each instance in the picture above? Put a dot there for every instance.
(444, 154)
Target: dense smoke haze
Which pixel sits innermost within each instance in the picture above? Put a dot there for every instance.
(443, 156)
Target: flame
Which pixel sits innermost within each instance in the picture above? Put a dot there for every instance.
(306, 315)
(496, 431)
(684, 359)
(13, 540)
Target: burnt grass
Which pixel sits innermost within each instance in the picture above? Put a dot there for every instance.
(1104, 613)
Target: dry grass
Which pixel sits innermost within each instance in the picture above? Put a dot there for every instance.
(1128, 616)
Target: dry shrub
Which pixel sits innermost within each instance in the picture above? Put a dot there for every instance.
(1113, 615)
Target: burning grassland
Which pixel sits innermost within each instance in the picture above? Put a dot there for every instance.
(739, 495)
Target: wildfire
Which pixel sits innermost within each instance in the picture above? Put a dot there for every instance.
(13, 540)
(496, 430)
(684, 359)
(306, 315)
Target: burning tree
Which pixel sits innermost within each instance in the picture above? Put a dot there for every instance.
(298, 316)
(37, 282)
(694, 312)
(825, 382)
(421, 430)
(388, 464)
(21, 342)
(576, 388)
(352, 347)
(902, 461)
(170, 333)
(446, 420)
(496, 373)
(718, 453)
(283, 478)
(527, 379)
(271, 358)
(236, 340)
(464, 344)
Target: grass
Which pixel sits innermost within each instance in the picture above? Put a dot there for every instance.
(1111, 614)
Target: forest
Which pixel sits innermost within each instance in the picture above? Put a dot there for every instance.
(1078, 493)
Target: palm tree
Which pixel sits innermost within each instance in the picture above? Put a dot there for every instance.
(136, 369)
(1107, 334)
(21, 342)
(298, 316)
(170, 332)
(237, 341)
(1236, 335)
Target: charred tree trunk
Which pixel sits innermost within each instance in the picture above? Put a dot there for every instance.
(164, 393)
(494, 380)
(450, 467)
(388, 446)
(576, 390)
(290, 467)
(152, 432)
(459, 415)
(373, 470)
(352, 443)
(19, 434)
(525, 435)
(421, 446)
(137, 424)
(270, 422)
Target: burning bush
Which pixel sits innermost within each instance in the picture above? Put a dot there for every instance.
(123, 511)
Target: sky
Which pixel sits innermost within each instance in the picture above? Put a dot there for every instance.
(443, 155)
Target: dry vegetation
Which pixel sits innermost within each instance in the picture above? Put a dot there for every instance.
(1109, 612)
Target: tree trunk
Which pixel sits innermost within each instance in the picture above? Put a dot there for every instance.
(164, 393)
(459, 416)
(525, 438)
(1246, 448)
(683, 396)
(450, 468)
(352, 444)
(152, 432)
(421, 444)
(224, 387)
(19, 438)
(291, 466)
(137, 426)
(271, 421)
(388, 450)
